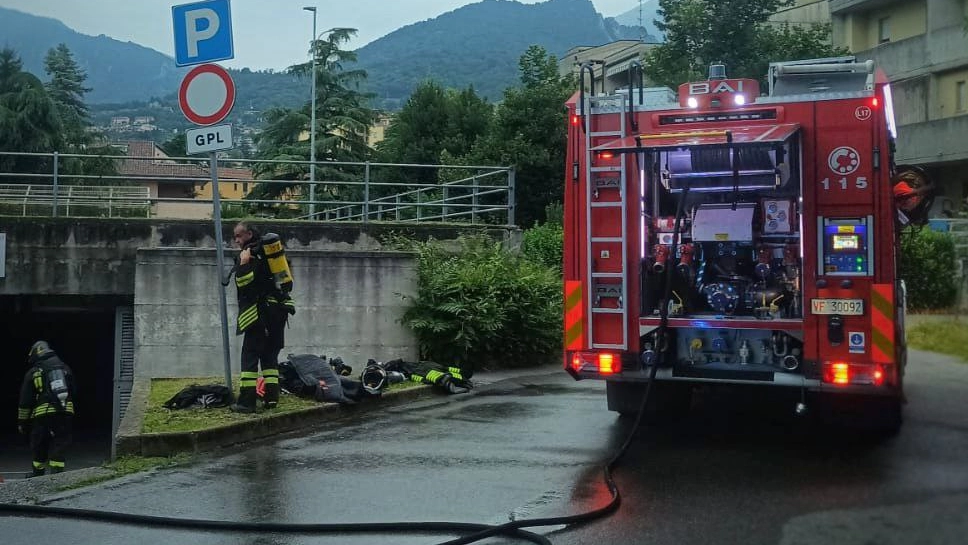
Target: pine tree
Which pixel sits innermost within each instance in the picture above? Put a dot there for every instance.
(343, 118)
(28, 117)
(66, 88)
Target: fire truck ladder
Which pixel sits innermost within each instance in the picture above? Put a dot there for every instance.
(607, 289)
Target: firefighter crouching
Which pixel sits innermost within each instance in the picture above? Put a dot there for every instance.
(263, 282)
(46, 408)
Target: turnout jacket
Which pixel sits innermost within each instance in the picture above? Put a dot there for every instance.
(259, 298)
(36, 399)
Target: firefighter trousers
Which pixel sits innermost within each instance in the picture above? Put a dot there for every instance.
(50, 435)
(260, 349)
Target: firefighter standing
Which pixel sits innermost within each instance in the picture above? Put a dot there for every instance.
(46, 408)
(264, 310)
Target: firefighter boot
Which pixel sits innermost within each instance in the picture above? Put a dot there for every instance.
(246, 401)
(37, 469)
(271, 396)
(448, 383)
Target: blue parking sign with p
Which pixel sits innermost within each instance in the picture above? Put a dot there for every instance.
(203, 32)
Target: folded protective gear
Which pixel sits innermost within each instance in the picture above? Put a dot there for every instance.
(454, 380)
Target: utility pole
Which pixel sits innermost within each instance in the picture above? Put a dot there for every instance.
(312, 125)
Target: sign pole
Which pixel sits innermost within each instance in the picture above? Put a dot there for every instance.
(206, 96)
(220, 266)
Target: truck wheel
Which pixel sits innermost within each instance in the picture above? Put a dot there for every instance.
(667, 401)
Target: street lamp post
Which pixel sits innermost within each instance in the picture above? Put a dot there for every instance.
(312, 125)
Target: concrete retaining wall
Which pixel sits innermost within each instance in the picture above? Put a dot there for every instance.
(348, 292)
(348, 305)
(90, 256)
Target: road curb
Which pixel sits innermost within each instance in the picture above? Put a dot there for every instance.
(259, 427)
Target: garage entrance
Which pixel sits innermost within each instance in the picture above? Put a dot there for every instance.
(84, 331)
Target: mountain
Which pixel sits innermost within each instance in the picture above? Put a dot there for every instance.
(480, 45)
(649, 13)
(117, 71)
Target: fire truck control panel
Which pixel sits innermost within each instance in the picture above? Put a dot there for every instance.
(846, 250)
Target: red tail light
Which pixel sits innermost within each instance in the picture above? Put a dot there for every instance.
(844, 373)
(575, 120)
(874, 102)
(606, 155)
(605, 363)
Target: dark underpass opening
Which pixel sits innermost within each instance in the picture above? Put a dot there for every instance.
(82, 330)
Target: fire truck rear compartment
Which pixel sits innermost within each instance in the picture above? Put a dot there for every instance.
(736, 257)
(724, 238)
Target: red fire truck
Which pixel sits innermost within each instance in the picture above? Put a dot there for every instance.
(729, 236)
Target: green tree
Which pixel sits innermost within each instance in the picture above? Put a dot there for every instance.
(343, 119)
(28, 117)
(787, 42)
(433, 124)
(176, 146)
(529, 133)
(468, 117)
(66, 88)
(734, 32)
(416, 132)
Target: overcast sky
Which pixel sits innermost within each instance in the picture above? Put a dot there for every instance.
(267, 33)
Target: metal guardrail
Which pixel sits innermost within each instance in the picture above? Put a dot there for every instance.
(111, 201)
(179, 187)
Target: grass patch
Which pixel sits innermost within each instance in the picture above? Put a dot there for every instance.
(127, 465)
(944, 336)
(158, 419)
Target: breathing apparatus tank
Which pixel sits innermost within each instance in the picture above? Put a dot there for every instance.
(278, 264)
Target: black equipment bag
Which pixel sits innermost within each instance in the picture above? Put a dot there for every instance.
(309, 375)
(208, 396)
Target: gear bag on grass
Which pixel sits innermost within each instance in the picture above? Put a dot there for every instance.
(309, 375)
(207, 396)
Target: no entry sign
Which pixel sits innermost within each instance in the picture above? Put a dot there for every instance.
(207, 94)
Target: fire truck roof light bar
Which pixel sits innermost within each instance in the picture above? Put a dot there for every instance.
(821, 68)
(696, 134)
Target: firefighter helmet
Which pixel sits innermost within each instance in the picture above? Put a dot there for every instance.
(38, 349)
(914, 192)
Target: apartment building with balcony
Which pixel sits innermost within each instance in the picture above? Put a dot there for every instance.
(803, 13)
(610, 62)
(922, 46)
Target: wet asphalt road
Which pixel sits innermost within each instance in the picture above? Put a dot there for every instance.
(533, 447)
